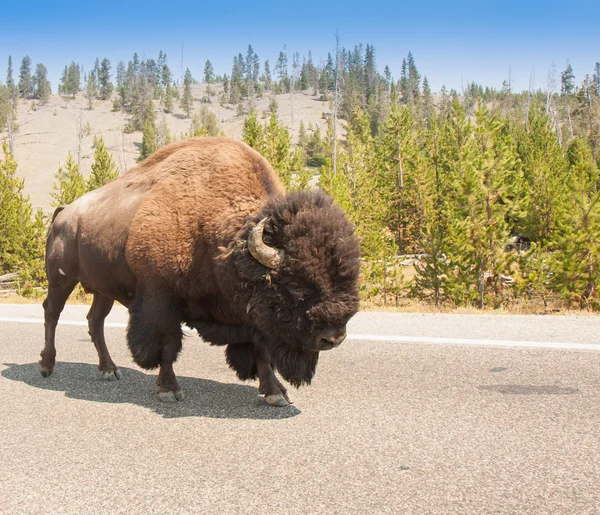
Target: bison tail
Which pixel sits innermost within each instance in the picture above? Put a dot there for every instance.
(240, 358)
(55, 214)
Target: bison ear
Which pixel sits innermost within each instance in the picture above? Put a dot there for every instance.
(265, 255)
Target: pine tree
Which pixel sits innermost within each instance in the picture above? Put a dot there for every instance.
(90, 91)
(15, 214)
(10, 82)
(105, 86)
(577, 265)
(70, 81)
(323, 84)
(149, 140)
(329, 74)
(187, 99)
(209, 72)
(70, 185)
(356, 189)
(428, 107)
(277, 149)
(103, 167)
(21, 238)
(545, 176)
(282, 71)
(252, 65)
(209, 121)
(595, 77)
(433, 269)
(567, 84)
(42, 89)
(252, 133)
(96, 73)
(25, 80)
(302, 136)
(121, 73)
(169, 93)
(400, 177)
(267, 76)
(486, 176)
(403, 82)
(163, 136)
(315, 149)
(370, 71)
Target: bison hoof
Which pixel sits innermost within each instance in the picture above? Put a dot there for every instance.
(45, 369)
(112, 375)
(171, 396)
(277, 400)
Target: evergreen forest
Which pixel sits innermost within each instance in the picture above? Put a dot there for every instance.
(484, 198)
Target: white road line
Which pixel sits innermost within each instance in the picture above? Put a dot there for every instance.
(380, 338)
(60, 322)
(474, 341)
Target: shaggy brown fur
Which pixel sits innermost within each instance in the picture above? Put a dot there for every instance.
(168, 240)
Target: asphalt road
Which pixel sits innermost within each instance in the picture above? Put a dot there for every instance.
(412, 414)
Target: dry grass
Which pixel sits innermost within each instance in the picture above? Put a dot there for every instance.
(405, 306)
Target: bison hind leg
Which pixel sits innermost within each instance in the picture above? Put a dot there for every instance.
(101, 307)
(240, 358)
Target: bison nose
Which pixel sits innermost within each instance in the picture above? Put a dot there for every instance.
(330, 339)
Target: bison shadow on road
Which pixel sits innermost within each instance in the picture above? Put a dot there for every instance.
(204, 398)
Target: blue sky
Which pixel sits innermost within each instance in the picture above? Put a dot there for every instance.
(453, 42)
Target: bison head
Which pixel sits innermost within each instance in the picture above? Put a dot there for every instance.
(299, 271)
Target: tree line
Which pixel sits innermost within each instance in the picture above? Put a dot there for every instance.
(493, 196)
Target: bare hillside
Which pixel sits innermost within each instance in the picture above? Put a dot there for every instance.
(47, 133)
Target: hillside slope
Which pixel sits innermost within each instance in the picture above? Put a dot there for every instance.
(47, 133)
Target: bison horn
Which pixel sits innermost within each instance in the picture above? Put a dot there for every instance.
(265, 255)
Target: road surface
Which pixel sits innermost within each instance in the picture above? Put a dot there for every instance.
(412, 414)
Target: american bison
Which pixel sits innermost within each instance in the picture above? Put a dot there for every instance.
(203, 233)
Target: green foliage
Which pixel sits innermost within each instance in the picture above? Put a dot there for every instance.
(105, 86)
(41, 85)
(149, 140)
(103, 167)
(273, 141)
(252, 133)
(486, 178)
(577, 262)
(10, 81)
(21, 237)
(25, 79)
(70, 183)
(209, 72)
(187, 99)
(567, 86)
(90, 91)
(169, 96)
(70, 81)
(545, 175)
(7, 106)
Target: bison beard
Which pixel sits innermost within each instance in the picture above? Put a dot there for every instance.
(296, 366)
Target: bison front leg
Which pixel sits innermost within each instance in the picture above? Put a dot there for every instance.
(275, 393)
(154, 338)
(250, 362)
